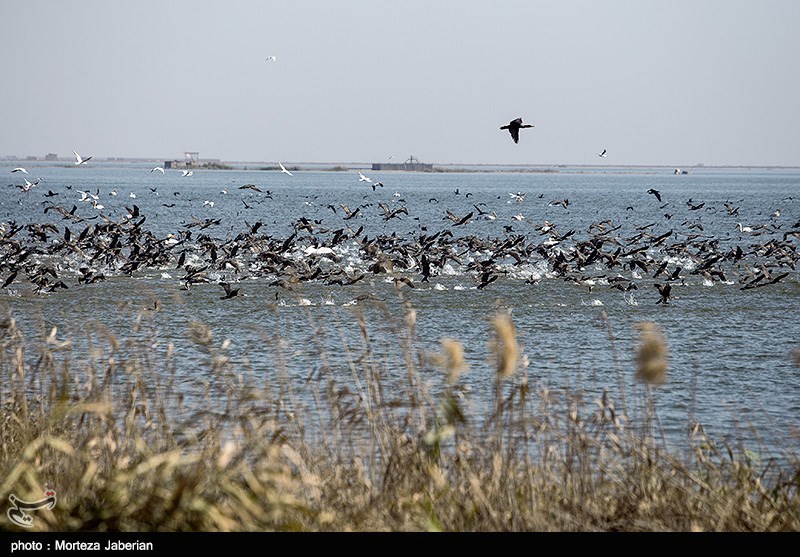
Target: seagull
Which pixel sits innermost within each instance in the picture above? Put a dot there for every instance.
(186, 173)
(603, 154)
(271, 59)
(79, 160)
(27, 186)
(19, 169)
(362, 178)
(283, 170)
(158, 168)
(519, 197)
(513, 128)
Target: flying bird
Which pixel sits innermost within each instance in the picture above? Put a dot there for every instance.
(19, 169)
(79, 160)
(513, 128)
(656, 193)
(229, 292)
(665, 291)
(283, 169)
(271, 59)
(157, 168)
(186, 173)
(362, 178)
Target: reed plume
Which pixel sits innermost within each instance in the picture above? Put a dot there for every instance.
(651, 355)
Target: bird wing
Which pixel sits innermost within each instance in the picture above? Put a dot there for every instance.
(78, 157)
(514, 134)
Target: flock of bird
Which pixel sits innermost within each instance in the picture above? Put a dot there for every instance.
(74, 246)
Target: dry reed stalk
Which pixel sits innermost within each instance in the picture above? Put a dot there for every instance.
(451, 359)
(504, 345)
(651, 355)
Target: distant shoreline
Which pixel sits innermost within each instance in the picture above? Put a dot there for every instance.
(217, 164)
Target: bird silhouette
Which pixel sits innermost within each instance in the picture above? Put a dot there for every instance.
(513, 128)
(656, 193)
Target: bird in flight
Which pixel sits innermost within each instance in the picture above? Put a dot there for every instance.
(603, 154)
(19, 169)
(79, 160)
(362, 178)
(656, 193)
(186, 173)
(272, 59)
(283, 169)
(159, 169)
(513, 128)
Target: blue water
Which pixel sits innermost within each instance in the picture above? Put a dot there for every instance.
(730, 365)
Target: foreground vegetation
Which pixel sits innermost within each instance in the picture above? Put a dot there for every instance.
(109, 430)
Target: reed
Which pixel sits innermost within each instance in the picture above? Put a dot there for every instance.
(354, 445)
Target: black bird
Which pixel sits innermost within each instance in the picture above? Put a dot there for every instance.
(10, 279)
(664, 290)
(513, 128)
(229, 292)
(656, 193)
(464, 220)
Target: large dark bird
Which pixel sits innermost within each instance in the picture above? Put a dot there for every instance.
(513, 128)
(656, 193)
(665, 291)
(229, 292)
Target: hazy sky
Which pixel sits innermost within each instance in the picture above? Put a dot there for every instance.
(670, 82)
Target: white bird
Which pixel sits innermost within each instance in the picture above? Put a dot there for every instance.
(519, 197)
(208, 203)
(744, 229)
(776, 214)
(79, 160)
(113, 193)
(161, 170)
(132, 195)
(19, 169)
(519, 217)
(362, 178)
(271, 59)
(603, 154)
(283, 169)
(27, 186)
(87, 195)
(186, 173)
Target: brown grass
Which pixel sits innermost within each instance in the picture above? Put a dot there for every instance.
(353, 447)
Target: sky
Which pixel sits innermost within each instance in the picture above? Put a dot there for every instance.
(672, 83)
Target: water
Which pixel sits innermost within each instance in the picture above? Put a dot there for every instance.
(730, 363)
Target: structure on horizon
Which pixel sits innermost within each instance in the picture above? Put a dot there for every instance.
(190, 158)
(411, 164)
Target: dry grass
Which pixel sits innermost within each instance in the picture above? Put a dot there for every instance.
(115, 436)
